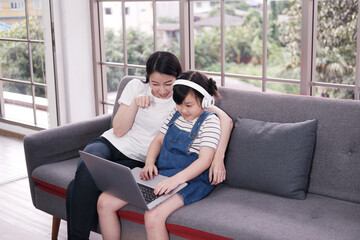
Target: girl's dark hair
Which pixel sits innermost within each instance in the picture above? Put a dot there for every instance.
(163, 62)
(181, 91)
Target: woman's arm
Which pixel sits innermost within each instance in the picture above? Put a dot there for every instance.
(217, 172)
(192, 171)
(124, 117)
(150, 169)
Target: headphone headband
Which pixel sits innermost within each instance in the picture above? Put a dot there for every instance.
(208, 100)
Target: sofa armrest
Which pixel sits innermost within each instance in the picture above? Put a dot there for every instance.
(62, 143)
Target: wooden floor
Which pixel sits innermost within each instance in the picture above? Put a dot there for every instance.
(12, 163)
(19, 219)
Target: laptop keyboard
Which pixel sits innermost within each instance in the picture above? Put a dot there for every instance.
(148, 193)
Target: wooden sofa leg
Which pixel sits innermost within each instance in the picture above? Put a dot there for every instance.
(55, 228)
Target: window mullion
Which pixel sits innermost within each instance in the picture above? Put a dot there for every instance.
(126, 71)
(102, 55)
(307, 23)
(30, 61)
(186, 35)
(264, 50)
(154, 25)
(2, 100)
(222, 31)
(357, 70)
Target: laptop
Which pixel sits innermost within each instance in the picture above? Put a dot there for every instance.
(124, 183)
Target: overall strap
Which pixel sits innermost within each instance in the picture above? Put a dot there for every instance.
(197, 125)
(174, 117)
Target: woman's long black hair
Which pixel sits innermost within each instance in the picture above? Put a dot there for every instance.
(163, 62)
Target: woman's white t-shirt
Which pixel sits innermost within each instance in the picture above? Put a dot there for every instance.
(135, 143)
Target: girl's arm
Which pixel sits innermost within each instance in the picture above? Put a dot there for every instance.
(124, 117)
(192, 171)
(217, 172)
(152, 154)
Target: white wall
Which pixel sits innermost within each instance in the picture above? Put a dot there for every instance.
(74, 60)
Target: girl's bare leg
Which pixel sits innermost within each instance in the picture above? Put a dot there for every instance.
(155, 219)
(107, 208)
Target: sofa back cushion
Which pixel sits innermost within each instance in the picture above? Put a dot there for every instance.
(271, 157)
(335, 168)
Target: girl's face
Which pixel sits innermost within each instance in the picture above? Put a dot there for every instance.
(190, 108)
(161, 84)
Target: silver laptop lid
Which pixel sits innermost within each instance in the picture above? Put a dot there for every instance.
(121, 182)
(115, 179)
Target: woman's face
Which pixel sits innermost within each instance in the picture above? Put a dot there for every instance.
(161, 84)
(190, 108)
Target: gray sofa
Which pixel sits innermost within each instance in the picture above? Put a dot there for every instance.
(295, 174)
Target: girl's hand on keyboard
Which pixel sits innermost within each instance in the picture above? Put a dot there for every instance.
(166, 186)
(148, 172)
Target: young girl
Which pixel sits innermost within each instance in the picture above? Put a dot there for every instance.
(184, 149)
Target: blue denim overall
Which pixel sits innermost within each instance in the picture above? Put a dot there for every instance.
(175, 157)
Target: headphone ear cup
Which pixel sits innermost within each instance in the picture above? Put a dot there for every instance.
(208, 102)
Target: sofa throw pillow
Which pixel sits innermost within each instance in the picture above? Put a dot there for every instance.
(271, 157)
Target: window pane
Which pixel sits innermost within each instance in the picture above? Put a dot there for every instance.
(35, 20)
(243, 37)
(113, 34)
(41, 103)
(247, 84)
(336, 45)
(13, 24)
(284, 39)
(168, 34)
(207, 36)
(114, 76)
(38, 56)
(18, 103)
(14, 60)
(137, 72)
(283, 88)
(139, 31)
(110, 108)
(334, 93)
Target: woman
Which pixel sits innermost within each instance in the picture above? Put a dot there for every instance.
(144, 106)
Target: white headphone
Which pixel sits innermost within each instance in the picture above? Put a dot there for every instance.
(208, 100)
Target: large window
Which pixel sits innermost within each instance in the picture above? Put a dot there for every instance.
(283, 46)
(23, 83)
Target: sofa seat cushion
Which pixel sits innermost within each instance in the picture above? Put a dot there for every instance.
(245, 214)
(136, 215)
(55, 177)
